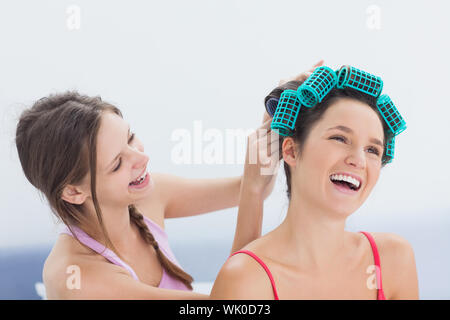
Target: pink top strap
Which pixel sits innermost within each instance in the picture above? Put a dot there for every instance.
(380, 295)
(167, 280)
(377, 265)
(254, 256)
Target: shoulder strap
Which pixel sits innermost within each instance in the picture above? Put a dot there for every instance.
(93, 244)
(377, 264)
(254, 256)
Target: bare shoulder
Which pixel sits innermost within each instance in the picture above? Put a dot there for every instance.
(242, 277)
(398, 265)
(61, 261)
(70, 266)
(77, 274)
(393, 246)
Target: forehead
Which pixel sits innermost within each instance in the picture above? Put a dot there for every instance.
(353, 114)
(111, 136)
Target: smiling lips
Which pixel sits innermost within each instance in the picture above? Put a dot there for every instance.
(140, 179)
(348, 180)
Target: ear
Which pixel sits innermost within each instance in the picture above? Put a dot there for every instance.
(73, 194)
(289, 151)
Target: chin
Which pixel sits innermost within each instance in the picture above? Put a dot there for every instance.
(344, 211)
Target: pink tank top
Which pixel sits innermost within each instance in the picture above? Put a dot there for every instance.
(167, 281)
(380, 295)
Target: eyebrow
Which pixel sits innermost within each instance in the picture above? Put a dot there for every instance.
(114, 160)
(348, 130)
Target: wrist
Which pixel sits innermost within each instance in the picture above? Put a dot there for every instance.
(252, 190)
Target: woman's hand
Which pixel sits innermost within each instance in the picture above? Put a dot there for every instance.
(304, 75)
(262, 159)
(260, 169)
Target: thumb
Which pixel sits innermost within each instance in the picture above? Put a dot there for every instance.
(320, 63)
(266, 117)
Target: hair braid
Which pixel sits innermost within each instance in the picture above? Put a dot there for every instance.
(171, 268)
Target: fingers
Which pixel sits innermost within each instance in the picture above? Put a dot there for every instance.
(304, 75)
(318, 64)
(266, 124)
(266, 117)
(282, 82)
(268, 143)
(263, 149)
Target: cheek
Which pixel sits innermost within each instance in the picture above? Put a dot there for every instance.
(321, 158)
(113, 185)
(373, 174)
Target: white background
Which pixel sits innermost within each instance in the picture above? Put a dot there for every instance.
(166, 64)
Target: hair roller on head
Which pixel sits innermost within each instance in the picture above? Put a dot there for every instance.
(314, 89)
(271, 106)
(317, 86)
(286, 113)
(390, 114)
(390, 147)
(351, 77)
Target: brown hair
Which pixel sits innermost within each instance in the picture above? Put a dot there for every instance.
(309, 116)
(56, 141)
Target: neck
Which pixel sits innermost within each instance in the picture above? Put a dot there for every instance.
(117, 222)
(315, 238)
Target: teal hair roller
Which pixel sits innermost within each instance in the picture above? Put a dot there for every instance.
(390, 146)
(286, 113)
(351, 77)
(390, 114)
(317, 86)
(271, 106)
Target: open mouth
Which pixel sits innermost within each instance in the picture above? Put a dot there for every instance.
(347, 185)
(139, 180)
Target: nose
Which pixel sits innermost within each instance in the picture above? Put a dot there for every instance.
(356, 159)
(140, 159)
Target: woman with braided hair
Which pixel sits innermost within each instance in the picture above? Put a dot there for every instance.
(80, 154)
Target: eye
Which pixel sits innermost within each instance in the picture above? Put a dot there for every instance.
(375, 151)
(120, 159)
(338, 137)
(343, 139)
(118, 166)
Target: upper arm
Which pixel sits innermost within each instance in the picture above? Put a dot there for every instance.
(399, 266)
(241, 278)
(183, 197)
(101, 280)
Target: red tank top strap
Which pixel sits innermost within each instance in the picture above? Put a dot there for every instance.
(254, 256)
(377, 265)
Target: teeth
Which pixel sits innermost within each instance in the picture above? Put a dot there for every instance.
(140, 179)
(349, 179)
(143, 176)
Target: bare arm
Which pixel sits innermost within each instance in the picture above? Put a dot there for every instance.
(103, 281)
(184, 197)
(250, 217)
(261, 167)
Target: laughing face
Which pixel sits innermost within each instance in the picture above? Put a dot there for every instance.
(341, 159)
(122, 176)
